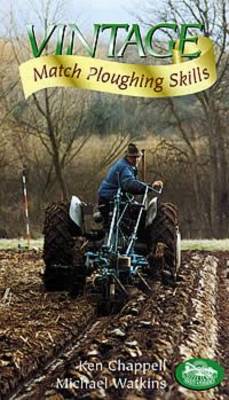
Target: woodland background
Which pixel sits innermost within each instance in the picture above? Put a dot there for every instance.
(68, 138)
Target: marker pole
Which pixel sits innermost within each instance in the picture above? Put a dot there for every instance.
(143, 164)
(26, 206)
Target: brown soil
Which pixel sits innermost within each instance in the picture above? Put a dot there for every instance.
(223, 318)
(48, 337)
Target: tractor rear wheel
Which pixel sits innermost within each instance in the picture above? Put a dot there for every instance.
(63, 262)
(164, 241)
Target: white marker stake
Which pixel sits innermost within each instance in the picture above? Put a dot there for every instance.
(26, 207)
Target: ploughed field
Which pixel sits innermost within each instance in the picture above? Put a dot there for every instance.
(56, 347)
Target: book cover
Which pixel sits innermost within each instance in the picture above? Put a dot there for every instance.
(114, 200)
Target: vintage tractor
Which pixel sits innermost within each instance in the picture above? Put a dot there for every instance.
(141, 240)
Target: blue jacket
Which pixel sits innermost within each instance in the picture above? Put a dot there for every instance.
(121, 174)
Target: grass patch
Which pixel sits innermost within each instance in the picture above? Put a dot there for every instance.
(7, 244)
(204, 244)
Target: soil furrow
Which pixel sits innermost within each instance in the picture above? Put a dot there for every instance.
(131, 355)
(152, 334)
(35, 325)
(223, 318)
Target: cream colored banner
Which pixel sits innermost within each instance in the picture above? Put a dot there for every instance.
(119, 78)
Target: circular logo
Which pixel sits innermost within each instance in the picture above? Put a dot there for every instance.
(199, 374)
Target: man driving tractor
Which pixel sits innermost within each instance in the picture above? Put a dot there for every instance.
(152, 241)
(123, 173)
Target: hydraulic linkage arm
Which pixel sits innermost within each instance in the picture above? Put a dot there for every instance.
(134, 234)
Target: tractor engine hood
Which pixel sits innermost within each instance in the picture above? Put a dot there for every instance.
(151, 212)
(76, 211)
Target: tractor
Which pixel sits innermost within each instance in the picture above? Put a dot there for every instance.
(140, 241)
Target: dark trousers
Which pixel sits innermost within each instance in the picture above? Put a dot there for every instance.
(105, 207)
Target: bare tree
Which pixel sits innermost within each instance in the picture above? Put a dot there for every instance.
(52, 115)
(212, 112)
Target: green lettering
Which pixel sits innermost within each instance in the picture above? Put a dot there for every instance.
(135, 31)
(91, 50)
(113, 38)
(60, 39)
(149, 39)
(35, 50)
(192, 39)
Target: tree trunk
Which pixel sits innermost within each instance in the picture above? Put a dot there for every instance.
(56, 156)
(219, 174)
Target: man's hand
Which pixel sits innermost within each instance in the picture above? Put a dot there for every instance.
(157, 185)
